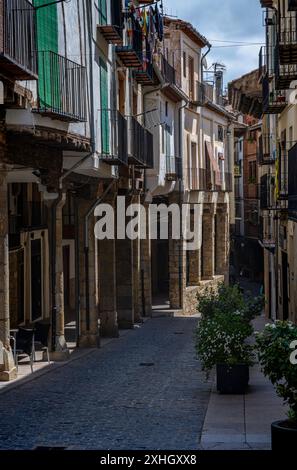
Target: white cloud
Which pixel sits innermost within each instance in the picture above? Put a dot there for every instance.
(227, 20)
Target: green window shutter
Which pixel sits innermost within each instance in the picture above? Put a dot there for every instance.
(102, 6)
(104, 107)
(48, 65)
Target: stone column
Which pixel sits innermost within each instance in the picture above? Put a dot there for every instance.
(136, 272)
(61, 351)
(125, 280)
(146, 269)
(7, 366)
(107, 282)
(208, 245)
(194, 257)
(222, 240)
(177, 265)
(89, 311)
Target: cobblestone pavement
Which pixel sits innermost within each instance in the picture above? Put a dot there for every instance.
(110, 400)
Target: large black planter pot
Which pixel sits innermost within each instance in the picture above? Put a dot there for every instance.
(232, 379)
(283, 437)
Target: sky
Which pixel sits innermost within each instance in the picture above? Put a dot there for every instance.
(225, 20)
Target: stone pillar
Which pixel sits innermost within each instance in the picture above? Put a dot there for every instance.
(107, 282)
(125, 280)
(177, 264)
(146, 269)
(208, 245)
(89, 311)
(222, 240)
(136, 272)
(61, 351)
(194, 258)
(7, 366)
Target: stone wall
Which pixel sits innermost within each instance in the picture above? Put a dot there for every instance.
(191, 293)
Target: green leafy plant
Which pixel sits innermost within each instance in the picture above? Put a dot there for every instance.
(227, 299)
(221, 339)
(223, 299)
(273, 346)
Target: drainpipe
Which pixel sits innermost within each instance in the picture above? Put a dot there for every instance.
(53, 268)
(89, 7)
(180, 189)
(202, 59)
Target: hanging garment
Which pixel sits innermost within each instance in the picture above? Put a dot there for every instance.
(159, 23)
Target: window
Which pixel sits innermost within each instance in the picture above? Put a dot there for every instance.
(191, 77)
(252, 172)
(185, 64)
(166, 108)
(220, 134)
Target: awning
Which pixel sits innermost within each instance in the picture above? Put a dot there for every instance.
(214, 163)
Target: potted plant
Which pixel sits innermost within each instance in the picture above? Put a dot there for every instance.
(274, 351)
(221, 342)
(222, 332)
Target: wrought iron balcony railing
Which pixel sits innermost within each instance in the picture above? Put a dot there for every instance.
(145, 74)
(292, 5)
(292, 183)
(199, 97)
(114, 138)
(287, 39)
(274, 101)
(61, 88)
(18, 39)
(142, 145)
(131, 52)
(112, 29)
(173, 168)
(266, 231)
(169, 72)
(266, 151)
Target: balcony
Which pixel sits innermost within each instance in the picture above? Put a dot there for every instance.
(131, 52)
(266, 189)
(112, 30)
(284, 73)
(266, 3)
(145, 74)
(292, 5)
(142, 146)
(199, 98)
(18, 40)
(228, 182)
(61, 88)
(287, 39)
(274, 101)
(205, 180)
(292, 183)
(237, 170)
(266, 232)
(173, 168)
(116, 130)
(265, 153)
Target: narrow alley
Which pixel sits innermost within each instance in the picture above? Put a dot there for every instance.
(143, 391)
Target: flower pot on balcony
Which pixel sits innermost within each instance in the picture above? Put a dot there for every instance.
(232, 379)
(283, 435)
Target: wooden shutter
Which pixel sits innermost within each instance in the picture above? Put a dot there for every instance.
(104, 103)
(48, 69)
(102, 12)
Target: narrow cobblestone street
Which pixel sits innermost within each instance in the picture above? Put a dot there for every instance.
(142, 391)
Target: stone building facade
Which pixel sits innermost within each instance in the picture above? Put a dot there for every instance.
(94, 106)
